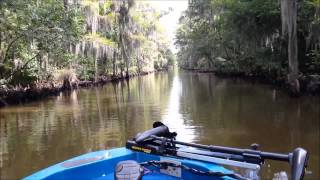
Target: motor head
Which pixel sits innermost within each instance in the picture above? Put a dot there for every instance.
(159, 129)
(298, 162)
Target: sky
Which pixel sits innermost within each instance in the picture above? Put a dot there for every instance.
(170, 21)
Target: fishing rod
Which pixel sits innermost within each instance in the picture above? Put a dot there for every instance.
(297, 159)
(229, 150)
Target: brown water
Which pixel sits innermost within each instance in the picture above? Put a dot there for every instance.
(200, 107)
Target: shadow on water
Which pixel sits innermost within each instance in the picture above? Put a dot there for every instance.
(200, 107)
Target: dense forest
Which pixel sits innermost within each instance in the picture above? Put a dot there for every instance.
(49, 40)
(59, 44)
(277, 41)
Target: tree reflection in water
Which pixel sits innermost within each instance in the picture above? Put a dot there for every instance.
(199, 107)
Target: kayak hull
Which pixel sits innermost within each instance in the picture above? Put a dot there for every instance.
(101, 165)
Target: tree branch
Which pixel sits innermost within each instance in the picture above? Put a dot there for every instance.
(9, 46)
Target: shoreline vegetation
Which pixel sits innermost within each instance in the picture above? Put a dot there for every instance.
(14, 96)
(309, 84)
(49, 46)
(268, 40)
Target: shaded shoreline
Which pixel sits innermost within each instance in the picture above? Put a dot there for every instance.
(44, 90)
(309, 84)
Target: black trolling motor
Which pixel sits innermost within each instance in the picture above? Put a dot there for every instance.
(159, 140)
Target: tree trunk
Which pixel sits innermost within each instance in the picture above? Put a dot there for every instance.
(121, 71)
(127, 69)
(66, 84)
(114, 63)
(96, 69)
(124, 11)
(1, 47)
(293, 47)
(139, 64)
(65, 4)
(289, 25)
(124, 55)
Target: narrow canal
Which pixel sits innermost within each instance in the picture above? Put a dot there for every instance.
(199, 107)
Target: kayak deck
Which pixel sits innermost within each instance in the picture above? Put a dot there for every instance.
(101, 165)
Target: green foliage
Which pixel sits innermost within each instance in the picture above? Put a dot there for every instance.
(246, 35)
(169, 56)
(314, 64)
(85, 70)
(32, 30)
(94, 37)
(23, 78)
(99, 39)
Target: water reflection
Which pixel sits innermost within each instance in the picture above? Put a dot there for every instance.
(174, 119)
(200, 107)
